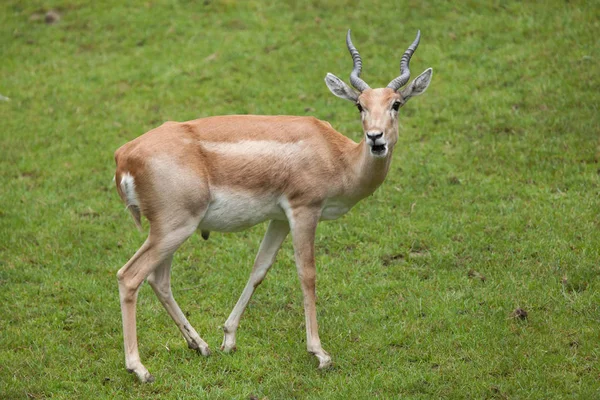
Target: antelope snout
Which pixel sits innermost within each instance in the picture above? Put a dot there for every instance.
(377, 143)
(373, 136)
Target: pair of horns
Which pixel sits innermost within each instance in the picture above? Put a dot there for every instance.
(396, 83)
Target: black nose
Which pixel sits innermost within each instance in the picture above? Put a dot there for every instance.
(374, 135)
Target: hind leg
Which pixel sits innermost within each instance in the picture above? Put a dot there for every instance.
(160, 281)
(157, 250)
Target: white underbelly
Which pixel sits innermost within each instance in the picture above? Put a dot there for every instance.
(231, 211)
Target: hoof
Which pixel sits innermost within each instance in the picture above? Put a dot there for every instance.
(325, 364)
(202, 349)
(228, 344)
(324, 359)
(143, 376)
(205, 351)
(228, 349)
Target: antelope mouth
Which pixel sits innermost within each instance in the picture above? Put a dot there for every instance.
(379, 150)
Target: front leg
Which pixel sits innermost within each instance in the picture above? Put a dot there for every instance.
(303, 224)
(276, 233)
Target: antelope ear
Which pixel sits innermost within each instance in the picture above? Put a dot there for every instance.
(340, 89)
(418, 86)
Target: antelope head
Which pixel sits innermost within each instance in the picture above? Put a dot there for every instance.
(379, 107)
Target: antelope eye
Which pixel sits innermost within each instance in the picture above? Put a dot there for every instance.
(360, 109)
(396, 105)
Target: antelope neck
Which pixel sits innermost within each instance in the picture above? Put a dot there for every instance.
(369, 171)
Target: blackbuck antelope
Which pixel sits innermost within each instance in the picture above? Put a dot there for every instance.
(229, 173)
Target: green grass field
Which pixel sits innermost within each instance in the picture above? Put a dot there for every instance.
(492, 202)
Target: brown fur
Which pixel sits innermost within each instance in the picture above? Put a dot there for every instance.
(322, 170)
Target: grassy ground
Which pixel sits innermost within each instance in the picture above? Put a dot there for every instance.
(491, 204)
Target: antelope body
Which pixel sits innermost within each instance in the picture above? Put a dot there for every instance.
(229, 173)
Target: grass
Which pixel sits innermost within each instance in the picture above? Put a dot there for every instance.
(491, 203)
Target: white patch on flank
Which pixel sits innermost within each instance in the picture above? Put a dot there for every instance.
(128, 189)
(255, 148)
(231, 210)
